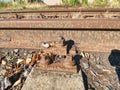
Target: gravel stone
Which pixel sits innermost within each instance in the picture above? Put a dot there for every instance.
(16, 50)
(99, 66)
(85, 65)
(29, 56)
(8, 58)
(97, 83)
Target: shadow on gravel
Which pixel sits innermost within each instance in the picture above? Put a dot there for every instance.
(114, 59)
(77, 59)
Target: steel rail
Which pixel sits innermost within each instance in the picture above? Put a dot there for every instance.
(61, 24)
(107, 13)
(63, 10)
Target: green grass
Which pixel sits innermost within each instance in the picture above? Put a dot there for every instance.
(101, 3)
(70, 2)
(84, 3)
(21, 6)
(5, 5)
(104, 4)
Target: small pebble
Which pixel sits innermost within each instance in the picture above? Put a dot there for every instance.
(16, 83)
(6, 53)
(16, 54)
(4, 62)
(16, 50)
(31, 51)
(99, 66)
(11, 53)
(45, 45)
(2, 72)
(19, 60)
(1, 77)
(97, 83)
(8, 58)
(106, 88)
(85, 65)
(8, 67)
(25, 54)
(29, 55)
(28, 60)
(7, 82)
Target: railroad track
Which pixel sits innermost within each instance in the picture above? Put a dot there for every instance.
(61, 19)
(71, 13)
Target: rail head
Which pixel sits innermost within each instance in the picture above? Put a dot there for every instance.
(63, 10)
(74, 24)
